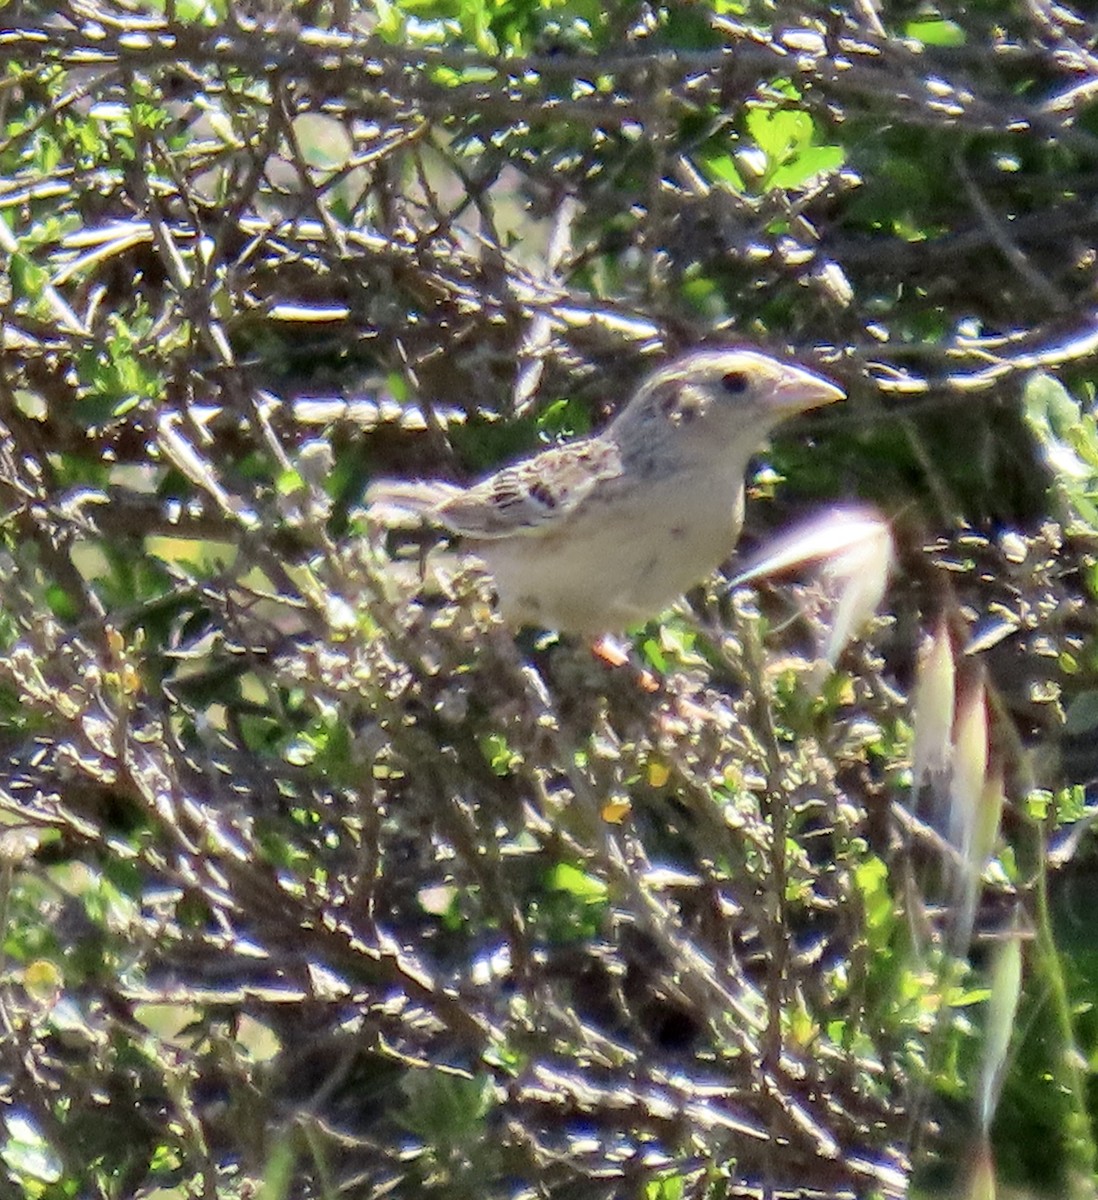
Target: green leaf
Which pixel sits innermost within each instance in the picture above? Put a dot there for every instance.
(786, 137)
(1067, 435)
(1037, 804)
(566, 878)
(665, 1187)
(777, 132)
(654, 655)
(936, 32)
(564, 419)
(871, 878)
(289, 481)
(27, 278)
(498, 754)
(812, 161)
(721, 168)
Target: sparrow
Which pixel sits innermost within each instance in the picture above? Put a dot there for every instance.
(605, 532)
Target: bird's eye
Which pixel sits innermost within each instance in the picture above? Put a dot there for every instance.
(735, 383)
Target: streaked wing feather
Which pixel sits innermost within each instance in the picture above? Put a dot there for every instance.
(532, 496)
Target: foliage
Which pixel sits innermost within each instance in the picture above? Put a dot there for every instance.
(316, 880)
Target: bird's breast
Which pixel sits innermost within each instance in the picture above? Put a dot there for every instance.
(623, 556)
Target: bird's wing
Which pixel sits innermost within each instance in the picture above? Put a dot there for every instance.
(532, 496)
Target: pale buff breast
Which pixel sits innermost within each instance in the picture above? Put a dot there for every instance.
(619, 560)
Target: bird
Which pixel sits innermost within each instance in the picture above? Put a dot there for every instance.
(601, 534)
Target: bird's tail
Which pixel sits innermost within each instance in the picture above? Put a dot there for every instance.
(397, 502)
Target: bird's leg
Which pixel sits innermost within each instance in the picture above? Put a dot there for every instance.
(609, 650)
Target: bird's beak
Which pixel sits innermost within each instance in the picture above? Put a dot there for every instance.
(797, 390)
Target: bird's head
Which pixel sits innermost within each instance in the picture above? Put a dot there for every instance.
(718, 396)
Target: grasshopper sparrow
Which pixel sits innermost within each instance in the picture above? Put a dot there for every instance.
(605, 532)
